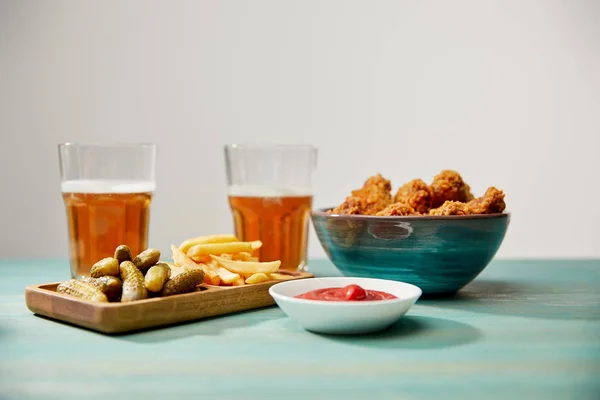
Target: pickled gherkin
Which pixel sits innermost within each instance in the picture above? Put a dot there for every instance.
(185, 282)
(133, 283)
(146, 259)
(123, 253)
(84, 290)
(156, 277)
(106, 266)
(109, 285)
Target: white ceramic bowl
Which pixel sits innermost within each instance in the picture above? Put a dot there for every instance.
(351, 317)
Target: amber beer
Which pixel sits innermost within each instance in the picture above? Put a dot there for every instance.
(279, 220)
(103, 215)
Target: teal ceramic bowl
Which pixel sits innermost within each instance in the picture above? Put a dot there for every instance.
(439, 254)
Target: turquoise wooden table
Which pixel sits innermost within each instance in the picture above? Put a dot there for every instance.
(522, 329)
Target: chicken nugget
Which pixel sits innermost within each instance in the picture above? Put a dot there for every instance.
(451, 208)
(397, 209)
(448, 185)
(417, 194)
(492, 202)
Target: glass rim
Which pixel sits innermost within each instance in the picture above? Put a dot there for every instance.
(276, 146)
(99, 145)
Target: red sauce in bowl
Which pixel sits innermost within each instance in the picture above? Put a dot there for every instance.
(348, 293)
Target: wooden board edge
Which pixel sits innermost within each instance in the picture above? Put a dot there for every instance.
(59, 307)
(101, 317)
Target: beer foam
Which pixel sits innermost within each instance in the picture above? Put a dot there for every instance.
(267, 191)
(107, 186)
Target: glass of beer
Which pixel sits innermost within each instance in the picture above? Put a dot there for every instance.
(270, 195)
(107, 190)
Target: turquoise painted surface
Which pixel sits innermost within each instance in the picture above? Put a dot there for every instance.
(521, 330)
(439, 254)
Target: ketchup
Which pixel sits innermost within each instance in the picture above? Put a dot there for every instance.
(348, 293)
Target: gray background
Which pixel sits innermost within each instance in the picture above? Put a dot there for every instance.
(506, 92)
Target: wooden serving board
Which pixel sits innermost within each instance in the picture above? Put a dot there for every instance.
(207, 301)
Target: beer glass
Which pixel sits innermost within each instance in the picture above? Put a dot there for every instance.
(270, 194)
(107, 190)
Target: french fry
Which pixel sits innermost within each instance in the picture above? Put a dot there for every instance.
(241, 256)
(185, 246)
(257, 278)
(175, 269)
(247, 268)
(278, 277)
(181, 260)
(197, 251)
(205, 259)
(226, 276)
(238, 282)
(215, 278)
